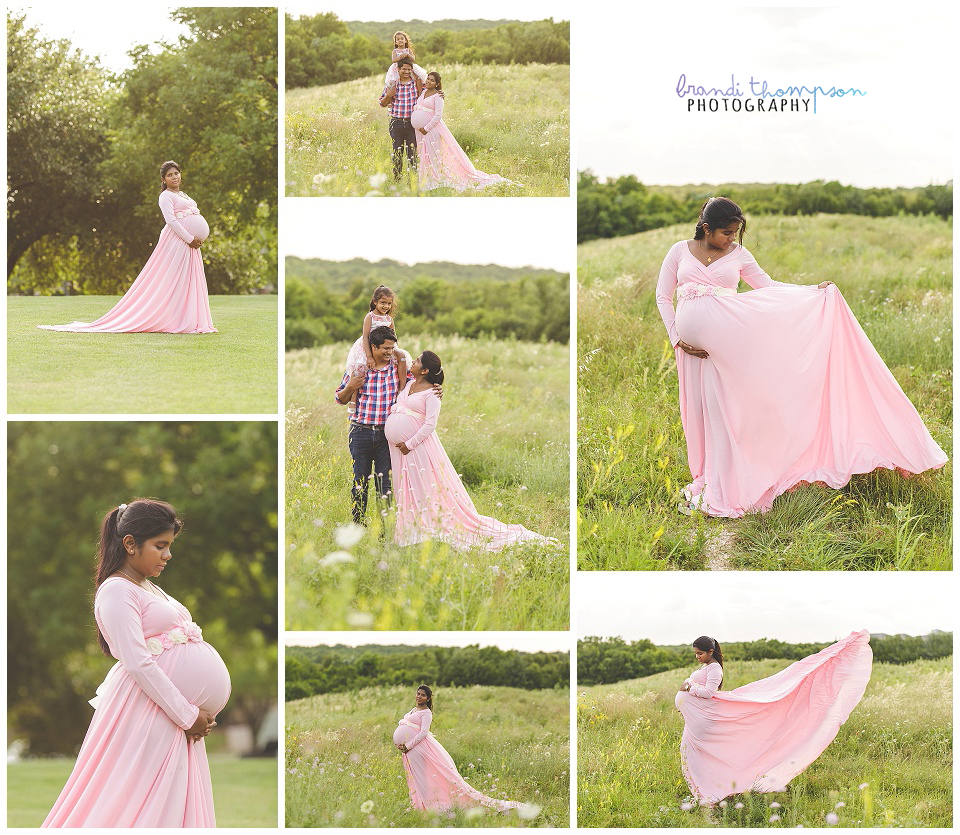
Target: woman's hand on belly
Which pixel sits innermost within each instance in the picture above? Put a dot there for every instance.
(403, 448)
(195, 243)
(204, 724)
(694, 352)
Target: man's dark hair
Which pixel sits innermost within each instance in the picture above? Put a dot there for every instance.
(406, 59)
(381, 334)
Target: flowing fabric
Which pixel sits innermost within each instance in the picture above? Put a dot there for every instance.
(136, 767)
(792, 391)
(432, 776)
(432, 503)
(762, 735)
(170, 294)
(442, 160)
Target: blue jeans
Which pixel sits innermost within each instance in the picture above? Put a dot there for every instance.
(404, 142)
(369, 449)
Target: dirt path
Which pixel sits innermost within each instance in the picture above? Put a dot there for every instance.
(717, 550)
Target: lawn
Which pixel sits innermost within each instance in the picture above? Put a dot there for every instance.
(508, 743)
(890, 765)
(895, 273)
(505, 424)
(512, 120)
(230, 372)
(245, 790)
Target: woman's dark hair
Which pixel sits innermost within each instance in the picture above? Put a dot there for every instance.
(436, 75)
(163, 172)
(429, 693)
(379, 293)
(142, 519)
(710, 645)
(717, 213)
(431, 362)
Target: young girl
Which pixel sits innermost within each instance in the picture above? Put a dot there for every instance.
(403, 46)
(360, 357)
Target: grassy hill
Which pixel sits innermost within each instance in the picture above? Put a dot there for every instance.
(506, 742)
(898, 741)
(505, 425)
(511, 120)
(896, 274)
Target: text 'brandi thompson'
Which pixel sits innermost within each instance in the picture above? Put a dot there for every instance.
(761, 98)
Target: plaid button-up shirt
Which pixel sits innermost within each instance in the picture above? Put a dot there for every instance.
(403, 100)
(375, 396)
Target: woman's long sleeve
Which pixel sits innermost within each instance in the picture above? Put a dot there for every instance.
(429, 423)
(714, 677)
(666, 287)
(437, 113)
(426, 717)
(752, 273)
(166, 208)
(118, 612)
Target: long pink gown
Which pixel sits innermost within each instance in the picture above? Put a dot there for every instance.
(760, 736)
(432, 503)
(170, 294)
(432, 776)
(136, 767)
(442, 160)
(792, 391)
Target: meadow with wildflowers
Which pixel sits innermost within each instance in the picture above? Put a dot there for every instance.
(505, 425)
(512, 120)
(895, 273)
(890, 765)
(342, 768)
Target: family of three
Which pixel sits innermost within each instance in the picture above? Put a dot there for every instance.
(393, 442)
(415, 100)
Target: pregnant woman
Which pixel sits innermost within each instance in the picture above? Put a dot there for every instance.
(143, 762)
(432, 776)
(762, 735)
(777, 386)
(442, 160)
(170, 294)
(431, 500)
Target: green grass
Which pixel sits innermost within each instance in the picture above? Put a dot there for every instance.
(898, 740)
(244, 790)
(507, 743)
(51, 372)
(896, 274)
(505, 425)
(511, 120)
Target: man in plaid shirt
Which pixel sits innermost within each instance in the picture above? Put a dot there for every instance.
(376, 392)
(400, 98)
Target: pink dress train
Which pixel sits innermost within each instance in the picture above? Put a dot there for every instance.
(432, 776)
(431, 501)
(136, 767)
(442, 162)
(760, 736)
(170, 294)
(792, 391)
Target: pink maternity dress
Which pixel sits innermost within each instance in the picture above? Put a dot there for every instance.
(442, 160)
(136, 767)
(760, 736)
(432, 503)
(432, 776)
(170, 294)
(792, 391)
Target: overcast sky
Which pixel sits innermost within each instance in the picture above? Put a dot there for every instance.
(509, 231)
(629, 119)
(523, 641)
(371, 10)
(676, 607)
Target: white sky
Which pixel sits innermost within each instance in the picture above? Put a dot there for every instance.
(368, 10)
(629, 120)
(509, 231)
(523, 641)
(676, 607)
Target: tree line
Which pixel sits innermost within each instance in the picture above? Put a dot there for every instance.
(623, 205)
(440, 299)
(311, 671)
(607, 660)
(322, 49)
(84, 148)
